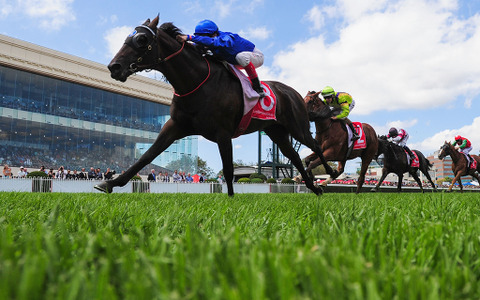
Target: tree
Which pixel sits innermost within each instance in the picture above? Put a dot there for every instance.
(320, 170)
(190, 164)
(203, 168)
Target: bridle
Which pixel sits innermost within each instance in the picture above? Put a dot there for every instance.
(148, 41)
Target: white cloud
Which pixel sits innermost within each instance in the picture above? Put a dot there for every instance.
(5, 8)
(258, 33)
(115, 38)
(223, 8)
(51, 14)
(435, 142)
(390, 55)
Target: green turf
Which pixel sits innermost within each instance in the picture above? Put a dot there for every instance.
(251, 246)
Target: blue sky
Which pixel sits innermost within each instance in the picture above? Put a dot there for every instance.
(414, 64)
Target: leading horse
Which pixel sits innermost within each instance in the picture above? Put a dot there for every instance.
(459, 164)
(208, 101)
(332, 136)
(395, 161)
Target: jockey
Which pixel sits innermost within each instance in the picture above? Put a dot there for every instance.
(229, 47)
(345, 102)
(400, 137)
(464, 146)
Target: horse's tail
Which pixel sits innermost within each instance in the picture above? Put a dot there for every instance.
(424, 161)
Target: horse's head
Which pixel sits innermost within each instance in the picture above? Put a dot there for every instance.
(445, 150)
(382, 144)
(147, 47)
(317, 109)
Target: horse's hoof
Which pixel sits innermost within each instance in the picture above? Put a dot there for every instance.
(318, 191)
(103, 187)
(374, 190)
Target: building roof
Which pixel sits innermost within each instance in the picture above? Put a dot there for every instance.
(29, 57)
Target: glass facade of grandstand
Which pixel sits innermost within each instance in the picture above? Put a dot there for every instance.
(51, 122)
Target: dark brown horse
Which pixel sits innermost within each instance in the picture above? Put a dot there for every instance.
(395, 161)
(332, 136)
(459, 164)
(208, 101)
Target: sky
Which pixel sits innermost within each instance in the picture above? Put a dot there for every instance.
(412, 64)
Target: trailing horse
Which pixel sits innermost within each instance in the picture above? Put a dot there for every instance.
(208, 101)
(396, 161)
(459, 164)
(333, 139)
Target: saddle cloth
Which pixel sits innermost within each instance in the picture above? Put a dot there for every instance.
(361, 143)
(416, 162)
(473, 164)
(253, 108)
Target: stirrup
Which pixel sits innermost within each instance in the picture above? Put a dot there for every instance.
(355, 137)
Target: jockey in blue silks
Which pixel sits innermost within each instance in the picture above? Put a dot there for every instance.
(229, 47)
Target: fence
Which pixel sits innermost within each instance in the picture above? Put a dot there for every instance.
(87, 186)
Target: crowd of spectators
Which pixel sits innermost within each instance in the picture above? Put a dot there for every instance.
(76, 113)
(373, 181)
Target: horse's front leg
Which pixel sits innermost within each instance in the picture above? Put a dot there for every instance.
(399, 185)
(226, 154)
(169, 133)
(457, 177)
(380, 181)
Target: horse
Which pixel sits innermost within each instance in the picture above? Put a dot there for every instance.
(207, 101)
(395, 161)
(332, 137)
(459, 164)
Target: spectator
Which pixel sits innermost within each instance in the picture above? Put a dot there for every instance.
(98, 174)
(151, 177)
(91, 173)
(61, 174)
(21, 173)
(82, 175)
(166, 178)
(7, 171)
(203, 177)
(51, 174)
(176, 177)
(220, 179)
(189, 178)
(108, 174)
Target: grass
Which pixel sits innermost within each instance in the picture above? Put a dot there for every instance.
(269, 246)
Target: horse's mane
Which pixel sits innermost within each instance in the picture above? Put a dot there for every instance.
(320, 112)
(170, 29)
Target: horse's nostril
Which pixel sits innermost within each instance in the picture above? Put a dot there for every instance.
(114, 67)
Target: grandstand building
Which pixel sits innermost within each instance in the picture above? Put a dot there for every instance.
(60, 110)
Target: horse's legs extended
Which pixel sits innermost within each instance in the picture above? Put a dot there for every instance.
(385, 172)
(457, 177)
(169, 133)
(415, 176)
(226, 153)
(340, 169)
(280, 137)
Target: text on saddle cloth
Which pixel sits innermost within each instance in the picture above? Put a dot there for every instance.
(361, 143)
(416, 162)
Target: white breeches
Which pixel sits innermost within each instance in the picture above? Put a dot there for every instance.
(244, 58)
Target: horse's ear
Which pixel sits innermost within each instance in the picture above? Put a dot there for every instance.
(146, 22)
(155, 21)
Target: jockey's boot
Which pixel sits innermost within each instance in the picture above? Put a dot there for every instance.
(252, 75)
(470, 161)
(412, 156)
(355, 135)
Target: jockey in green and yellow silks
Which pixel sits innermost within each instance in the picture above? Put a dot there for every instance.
(343, 101)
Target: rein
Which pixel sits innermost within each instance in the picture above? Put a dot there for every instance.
(158, 60)
(201, 83)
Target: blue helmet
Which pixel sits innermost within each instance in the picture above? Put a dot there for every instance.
(206, 27)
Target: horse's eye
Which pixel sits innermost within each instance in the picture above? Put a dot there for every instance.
(140, 40)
